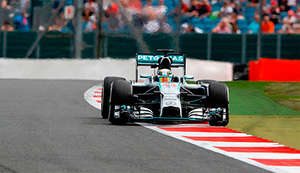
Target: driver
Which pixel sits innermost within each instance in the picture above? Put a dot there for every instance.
(164, 72)
(164, 75)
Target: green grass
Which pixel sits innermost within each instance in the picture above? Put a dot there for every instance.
(285, 93)
(250, 102)
(264, 98)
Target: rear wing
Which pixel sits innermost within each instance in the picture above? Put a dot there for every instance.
(144, 59)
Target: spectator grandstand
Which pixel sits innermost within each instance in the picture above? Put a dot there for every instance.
(204, 16)
(200, 16)
(150, 16)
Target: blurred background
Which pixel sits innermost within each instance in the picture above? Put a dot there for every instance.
(234, 31)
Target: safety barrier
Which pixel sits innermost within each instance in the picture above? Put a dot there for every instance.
(98, 69)
(274, 70)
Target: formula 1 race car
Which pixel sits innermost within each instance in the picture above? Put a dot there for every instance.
(164, 96)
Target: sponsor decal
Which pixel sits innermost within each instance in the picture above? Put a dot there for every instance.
(153, 59)
(169, 85)
(171, 103)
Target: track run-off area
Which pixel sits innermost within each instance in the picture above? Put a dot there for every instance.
(252, 150)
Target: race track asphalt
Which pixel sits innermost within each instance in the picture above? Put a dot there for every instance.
(46, 126)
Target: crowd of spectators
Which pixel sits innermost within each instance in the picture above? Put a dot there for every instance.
(241, 16)
(17, 15)
(143, 15)
(64, 21)
(200, 16)
(150, 16)
(20, 15)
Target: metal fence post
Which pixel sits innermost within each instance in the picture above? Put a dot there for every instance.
(38, 51)
(243, 59)
(99, 37)
(178, 23)
(259, 34)
(278, 46)
(258, 46)
(78, 29)
(72, 47)
(4, 44)
(105, 45)
(209, 46)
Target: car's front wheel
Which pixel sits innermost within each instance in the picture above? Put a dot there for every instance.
(218, 99)
(120, 97)
(106, 94)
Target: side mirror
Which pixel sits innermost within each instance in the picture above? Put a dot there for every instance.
(188, 77)
(145, 76)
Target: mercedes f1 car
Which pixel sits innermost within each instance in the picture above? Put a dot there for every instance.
(164, 96)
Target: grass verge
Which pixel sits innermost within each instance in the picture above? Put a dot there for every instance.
(285, 93)
(264, 98)
(268, 110)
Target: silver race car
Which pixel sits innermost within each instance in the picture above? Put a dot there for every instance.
(164, 96)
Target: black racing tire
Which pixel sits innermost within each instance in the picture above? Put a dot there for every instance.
(218, 98)
(121, 94)
(218, 95)
(206, 81)
(106, 94)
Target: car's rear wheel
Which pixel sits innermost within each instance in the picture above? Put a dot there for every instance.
(219, 98)
(106, 94)
(120, 96)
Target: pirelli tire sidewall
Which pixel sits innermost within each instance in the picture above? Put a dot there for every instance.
(121, 94)
(218, 95)
(106, 94)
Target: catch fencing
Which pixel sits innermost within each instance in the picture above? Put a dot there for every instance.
(235, 48)
(52, 45)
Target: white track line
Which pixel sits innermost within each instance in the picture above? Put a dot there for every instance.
(242, 144)
(268, 155)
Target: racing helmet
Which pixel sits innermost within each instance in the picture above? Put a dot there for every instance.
(164, 75)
